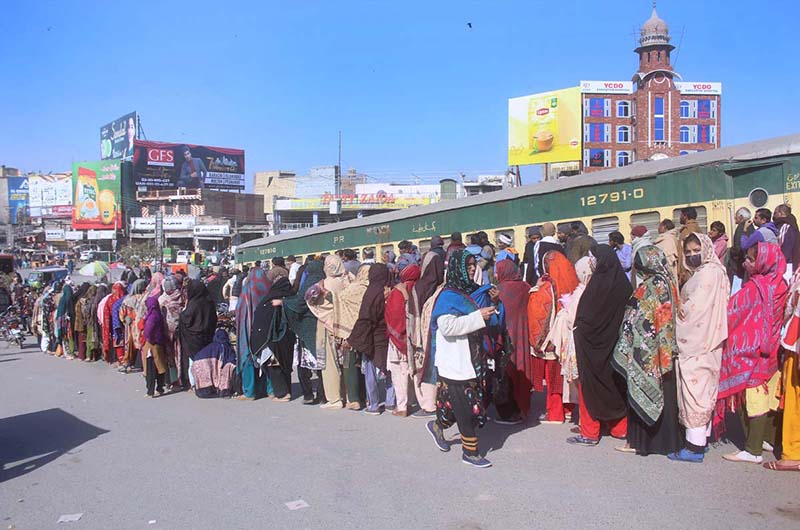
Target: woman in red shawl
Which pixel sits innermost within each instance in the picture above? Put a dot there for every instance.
(749, 373)
(514, 297)
(396, 314)
(543, 303)
(111, 350)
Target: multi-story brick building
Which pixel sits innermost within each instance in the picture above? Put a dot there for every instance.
(655, 115)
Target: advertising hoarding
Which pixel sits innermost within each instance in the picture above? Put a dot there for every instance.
(607, 87)
(96, 203)
(116, 138)
(353, 201)
(17, 197)
(54, 234)
(162, 165)
(50, 195)
(699, 88)
(545, 127)
(170, 223)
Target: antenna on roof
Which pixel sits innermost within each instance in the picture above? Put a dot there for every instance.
(678, 52)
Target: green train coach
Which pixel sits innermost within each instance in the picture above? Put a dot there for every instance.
(759, 174)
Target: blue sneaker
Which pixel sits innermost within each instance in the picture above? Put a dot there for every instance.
(475, 461)
(437, 435)
(684, 455)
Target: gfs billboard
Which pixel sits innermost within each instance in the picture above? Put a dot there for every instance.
(162, 165)
(116, 138)
(545, 127)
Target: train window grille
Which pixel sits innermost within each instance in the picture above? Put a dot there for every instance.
(424, 246)
(649, 220)
(603, 226)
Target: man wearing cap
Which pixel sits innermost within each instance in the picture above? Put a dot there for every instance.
(504, 245)
(640, 237)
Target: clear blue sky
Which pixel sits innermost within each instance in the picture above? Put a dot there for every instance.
(413, 89)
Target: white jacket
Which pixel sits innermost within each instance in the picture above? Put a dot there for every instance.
(453, 358)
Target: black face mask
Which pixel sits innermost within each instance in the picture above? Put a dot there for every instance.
(694, 261)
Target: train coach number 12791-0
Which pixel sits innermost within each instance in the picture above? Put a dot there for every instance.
(614, 196)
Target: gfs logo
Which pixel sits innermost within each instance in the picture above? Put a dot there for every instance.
(160, 157)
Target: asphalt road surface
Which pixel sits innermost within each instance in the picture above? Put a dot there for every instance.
(80, 438)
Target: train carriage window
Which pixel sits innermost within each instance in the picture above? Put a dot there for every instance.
(702, 217)
(649, 220)
(602, 226)
(385, 249)
(366, 250)
(758, 197)
(424, 246)
(529, 229)
(509, 233)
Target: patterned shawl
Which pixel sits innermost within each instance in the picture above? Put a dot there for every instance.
(755, 317)
(647, 340)
(171, 302)
(301, 320)
(336, 279)
(514, 298)
(398, 308)
(254, 289)
(347, 303)
(430, 280)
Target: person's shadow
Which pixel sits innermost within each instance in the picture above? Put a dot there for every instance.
(29, 441)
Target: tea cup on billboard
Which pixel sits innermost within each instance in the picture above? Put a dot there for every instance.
(108, 206)
(543, 140)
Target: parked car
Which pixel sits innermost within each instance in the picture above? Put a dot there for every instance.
(41, 277)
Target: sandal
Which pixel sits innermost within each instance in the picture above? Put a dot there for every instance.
(775, 465)
(625, 449)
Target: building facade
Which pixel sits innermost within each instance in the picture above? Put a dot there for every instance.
(655, 115)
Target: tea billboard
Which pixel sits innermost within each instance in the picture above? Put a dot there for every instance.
(96, 199)
(545, 127)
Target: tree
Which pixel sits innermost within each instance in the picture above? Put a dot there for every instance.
(134, 252)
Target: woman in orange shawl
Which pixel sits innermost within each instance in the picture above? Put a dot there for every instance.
(543, 303)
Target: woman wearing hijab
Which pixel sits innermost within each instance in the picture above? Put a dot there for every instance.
(369, 337)
(65, 320)
(111, 341)
(214, 367)
(155, 365)
(320, 301)
(271, 340)
(304, 325)
(644, 357)
(87, 309)
(254, 289)
(602, 394)
(130, 320)
(749, 375)
(398, 313)
(456, 336)
(562, 335)
(519, 370)
(423, 296)
(171, 302)
(79, 327)
(198, 321)
(702, 328)
(790, 395)
(557, 280)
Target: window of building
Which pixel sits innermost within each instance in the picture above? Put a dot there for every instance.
(597, 157)
(184, 208)
(649, 220)
(685, 135)
(597, 107)
(623, 134)
(702, 217)
(602, 226)
(712, 134)
(623, 109)
(704, 134)
(685, 108)
(658, 130)
(683, 153)
(704, 109)
(713, 109)
(623, 158)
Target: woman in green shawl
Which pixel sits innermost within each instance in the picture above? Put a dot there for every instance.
(65, 320)
(644, 356)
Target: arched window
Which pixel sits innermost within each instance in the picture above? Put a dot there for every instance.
(623, 134)
(623, 109)
(685, 109)
(684, 134)
(623, 158)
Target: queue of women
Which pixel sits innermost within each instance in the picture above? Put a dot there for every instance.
(658, 353)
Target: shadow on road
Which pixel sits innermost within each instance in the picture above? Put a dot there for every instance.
(9, 360)
(29, 441)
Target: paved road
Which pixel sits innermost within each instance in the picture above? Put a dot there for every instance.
(80, 438)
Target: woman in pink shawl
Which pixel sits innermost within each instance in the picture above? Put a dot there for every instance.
(171, 302)
(749, 374)
(701, 330)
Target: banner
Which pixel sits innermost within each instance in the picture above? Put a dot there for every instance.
(50, 195)
(54, 234)
(171, 223)
(17, 197)
(116, 138)
(353, 201)
(545, 127)
(161, 165)
(97, 195)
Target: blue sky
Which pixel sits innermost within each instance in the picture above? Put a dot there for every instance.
(413, 88)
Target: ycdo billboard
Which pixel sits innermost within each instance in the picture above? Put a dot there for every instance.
(699, 88)
(545, 127)
(607, 87)
(162, 165)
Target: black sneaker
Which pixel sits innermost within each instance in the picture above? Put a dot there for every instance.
(514, 420)
(423, 414)
(582, 440)
(437, 435)
(475, 461)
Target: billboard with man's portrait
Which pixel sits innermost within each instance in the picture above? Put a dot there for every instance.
(163, 165)
(116, 138)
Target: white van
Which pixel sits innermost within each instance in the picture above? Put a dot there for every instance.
(184, 256)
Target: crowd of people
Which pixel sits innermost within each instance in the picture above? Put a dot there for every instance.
(653, 342)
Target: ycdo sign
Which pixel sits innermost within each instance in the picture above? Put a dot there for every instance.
(700, 87)
(607, 87)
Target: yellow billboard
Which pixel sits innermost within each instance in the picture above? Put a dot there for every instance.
(545, 127)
